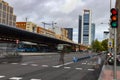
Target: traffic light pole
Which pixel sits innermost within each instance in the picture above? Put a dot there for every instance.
(115, 55)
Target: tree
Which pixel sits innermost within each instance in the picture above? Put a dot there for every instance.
(96, 46)
(105, 44)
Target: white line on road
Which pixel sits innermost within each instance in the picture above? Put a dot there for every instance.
(14, 63)
(2, 76)
(63, 64)
(44, 65)
(83, 63)
(24, 64)
(15, 78)
(79, 68)
(67, 67)
(35, 79)
(91, 69)
(55, 66)
(34, 65)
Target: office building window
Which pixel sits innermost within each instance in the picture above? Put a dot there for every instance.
(1, 6)
(4, 8)
(11, 10)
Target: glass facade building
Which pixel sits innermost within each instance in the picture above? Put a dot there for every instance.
(85, 28)
(92, 32)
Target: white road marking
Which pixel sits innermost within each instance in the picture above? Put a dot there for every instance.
(83, 63)
(44, 65)
(55, 66)
(79, 68)
(34, 65)
(24, 64)
(35, 79)
(63, 64)
(2, 76)
(91, 69)
(67, 67)
(15, 78)
(14, 63)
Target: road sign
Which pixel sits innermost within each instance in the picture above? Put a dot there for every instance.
(110, 43)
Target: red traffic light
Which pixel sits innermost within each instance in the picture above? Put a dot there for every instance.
(114, 11)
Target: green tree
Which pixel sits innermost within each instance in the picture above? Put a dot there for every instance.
(105, 44)
(96, 46)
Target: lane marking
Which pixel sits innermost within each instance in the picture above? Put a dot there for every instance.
(79, 68)
(44, 65)
(14, 63)
(34, 65)
(24, 64)
(57, 66)
(15, 78)
(67, 67)
(35, 79)
(91, 69)
(2, 76)
(83, 63)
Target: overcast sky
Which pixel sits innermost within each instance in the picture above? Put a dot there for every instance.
(64, 12)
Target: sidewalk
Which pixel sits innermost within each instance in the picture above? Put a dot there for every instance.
(107, 73)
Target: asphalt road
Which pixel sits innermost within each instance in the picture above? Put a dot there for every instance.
(47, 68)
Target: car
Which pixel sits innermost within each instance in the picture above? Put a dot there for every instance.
(110, 59)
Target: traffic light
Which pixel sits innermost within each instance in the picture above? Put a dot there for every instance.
(114, 18)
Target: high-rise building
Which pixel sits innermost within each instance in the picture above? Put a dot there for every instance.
(106, 34)
(79, 29)
(85, 27)
(7, 16)
(70, 33)
(92, 32)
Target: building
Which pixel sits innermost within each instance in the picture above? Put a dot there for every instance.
(29, 26)
(92, 32)
(79, 29)
(7, 16)
(85, 28)
(70, 33)
(45, 32)
(118, 29)
(106, 34)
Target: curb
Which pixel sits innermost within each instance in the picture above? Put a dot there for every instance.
(37, 54)
(100, 77)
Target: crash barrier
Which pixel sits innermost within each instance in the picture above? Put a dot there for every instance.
(76, 59)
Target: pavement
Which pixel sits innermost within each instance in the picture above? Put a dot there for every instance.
(47, 68)
(107, 73)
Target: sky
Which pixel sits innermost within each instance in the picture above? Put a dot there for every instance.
(64, 12)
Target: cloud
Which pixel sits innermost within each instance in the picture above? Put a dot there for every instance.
(70, 5)
(64, 12)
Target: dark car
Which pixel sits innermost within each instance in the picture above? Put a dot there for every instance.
(110, 59)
